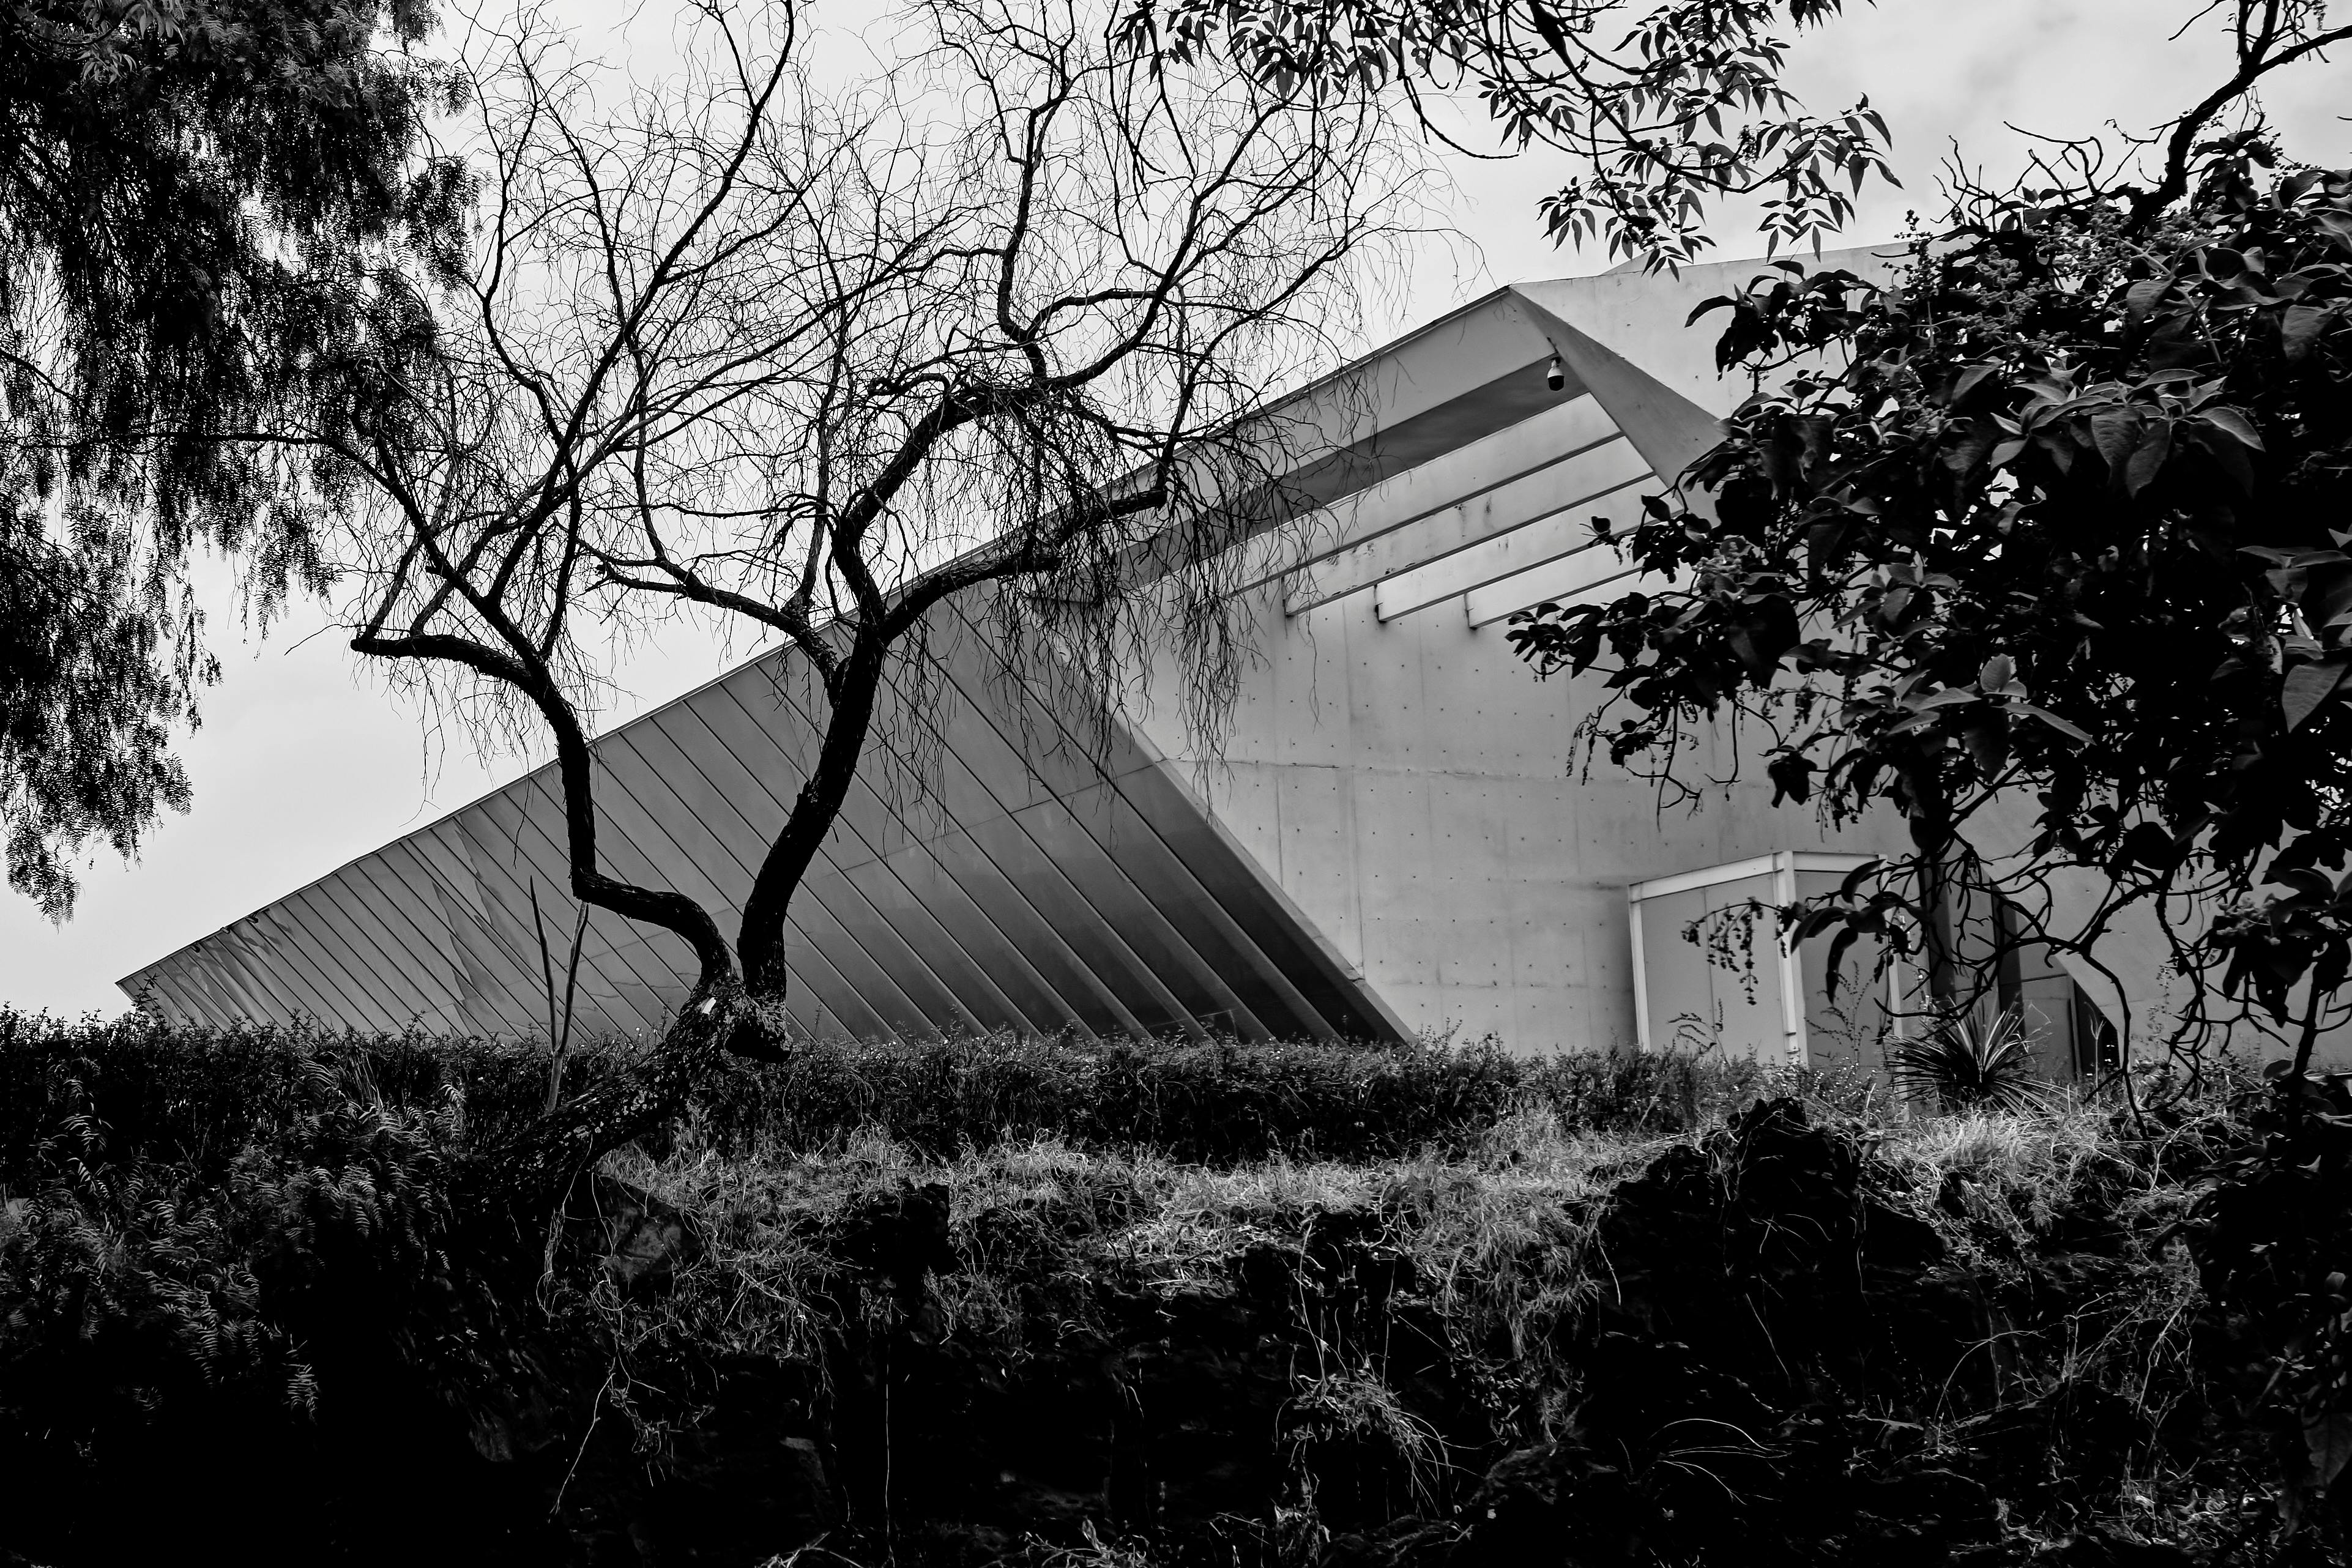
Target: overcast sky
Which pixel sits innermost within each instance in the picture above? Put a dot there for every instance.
(305, 761)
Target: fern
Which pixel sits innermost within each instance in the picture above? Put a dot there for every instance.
(170, 1283)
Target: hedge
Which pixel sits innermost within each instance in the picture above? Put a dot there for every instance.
(193, 1096)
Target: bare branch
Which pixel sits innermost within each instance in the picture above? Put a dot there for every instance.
(995, 328)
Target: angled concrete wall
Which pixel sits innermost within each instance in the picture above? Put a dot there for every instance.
(1399, 772)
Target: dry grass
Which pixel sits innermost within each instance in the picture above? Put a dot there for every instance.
(1499, 1238)
(1996, 1184)
(2018, 1169)
(1501, 1233)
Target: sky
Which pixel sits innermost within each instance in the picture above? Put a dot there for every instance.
(306, 760)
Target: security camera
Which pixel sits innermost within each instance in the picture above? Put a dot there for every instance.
(1555, 376)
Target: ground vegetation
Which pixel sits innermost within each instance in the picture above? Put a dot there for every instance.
(1772, 1320)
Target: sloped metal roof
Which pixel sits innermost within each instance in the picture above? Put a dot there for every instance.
(1037, 883)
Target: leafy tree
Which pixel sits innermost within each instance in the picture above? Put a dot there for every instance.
(1667, 109)
(192, 198)
(2052, 528)
(2067, 529)
(2046, 545)
(86, 701)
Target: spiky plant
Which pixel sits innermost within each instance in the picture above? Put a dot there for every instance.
(1972, 1060)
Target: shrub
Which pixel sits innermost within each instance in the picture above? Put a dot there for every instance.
(283, 1305)
(194, 1097)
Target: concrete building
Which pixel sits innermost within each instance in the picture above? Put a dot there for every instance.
(1394, 837)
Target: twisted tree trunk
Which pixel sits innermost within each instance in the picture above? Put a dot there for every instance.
(529, 1174)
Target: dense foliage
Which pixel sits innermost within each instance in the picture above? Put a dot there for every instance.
(285, 1301)
(90, 693)
(236, 1302)
(193, 201)
(2062, 525)
(2054, 530)
(193, 1096)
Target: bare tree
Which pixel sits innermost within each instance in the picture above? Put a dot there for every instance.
(998, 330)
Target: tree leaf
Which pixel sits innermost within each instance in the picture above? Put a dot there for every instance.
(2328, 1441)
(2116, 436)
(2234, 424)
(1969, 380)
(2149, 845)
(1792, 774)
(1719, 302)
(2147, 459)
(2070, 731)
(2142, 298)
(2308, 685)
(2326, 594)
(1762, 636)
(1838, 944)
(2231, 453)
(2301, 326)
(1988, 742)
(1821, 541)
